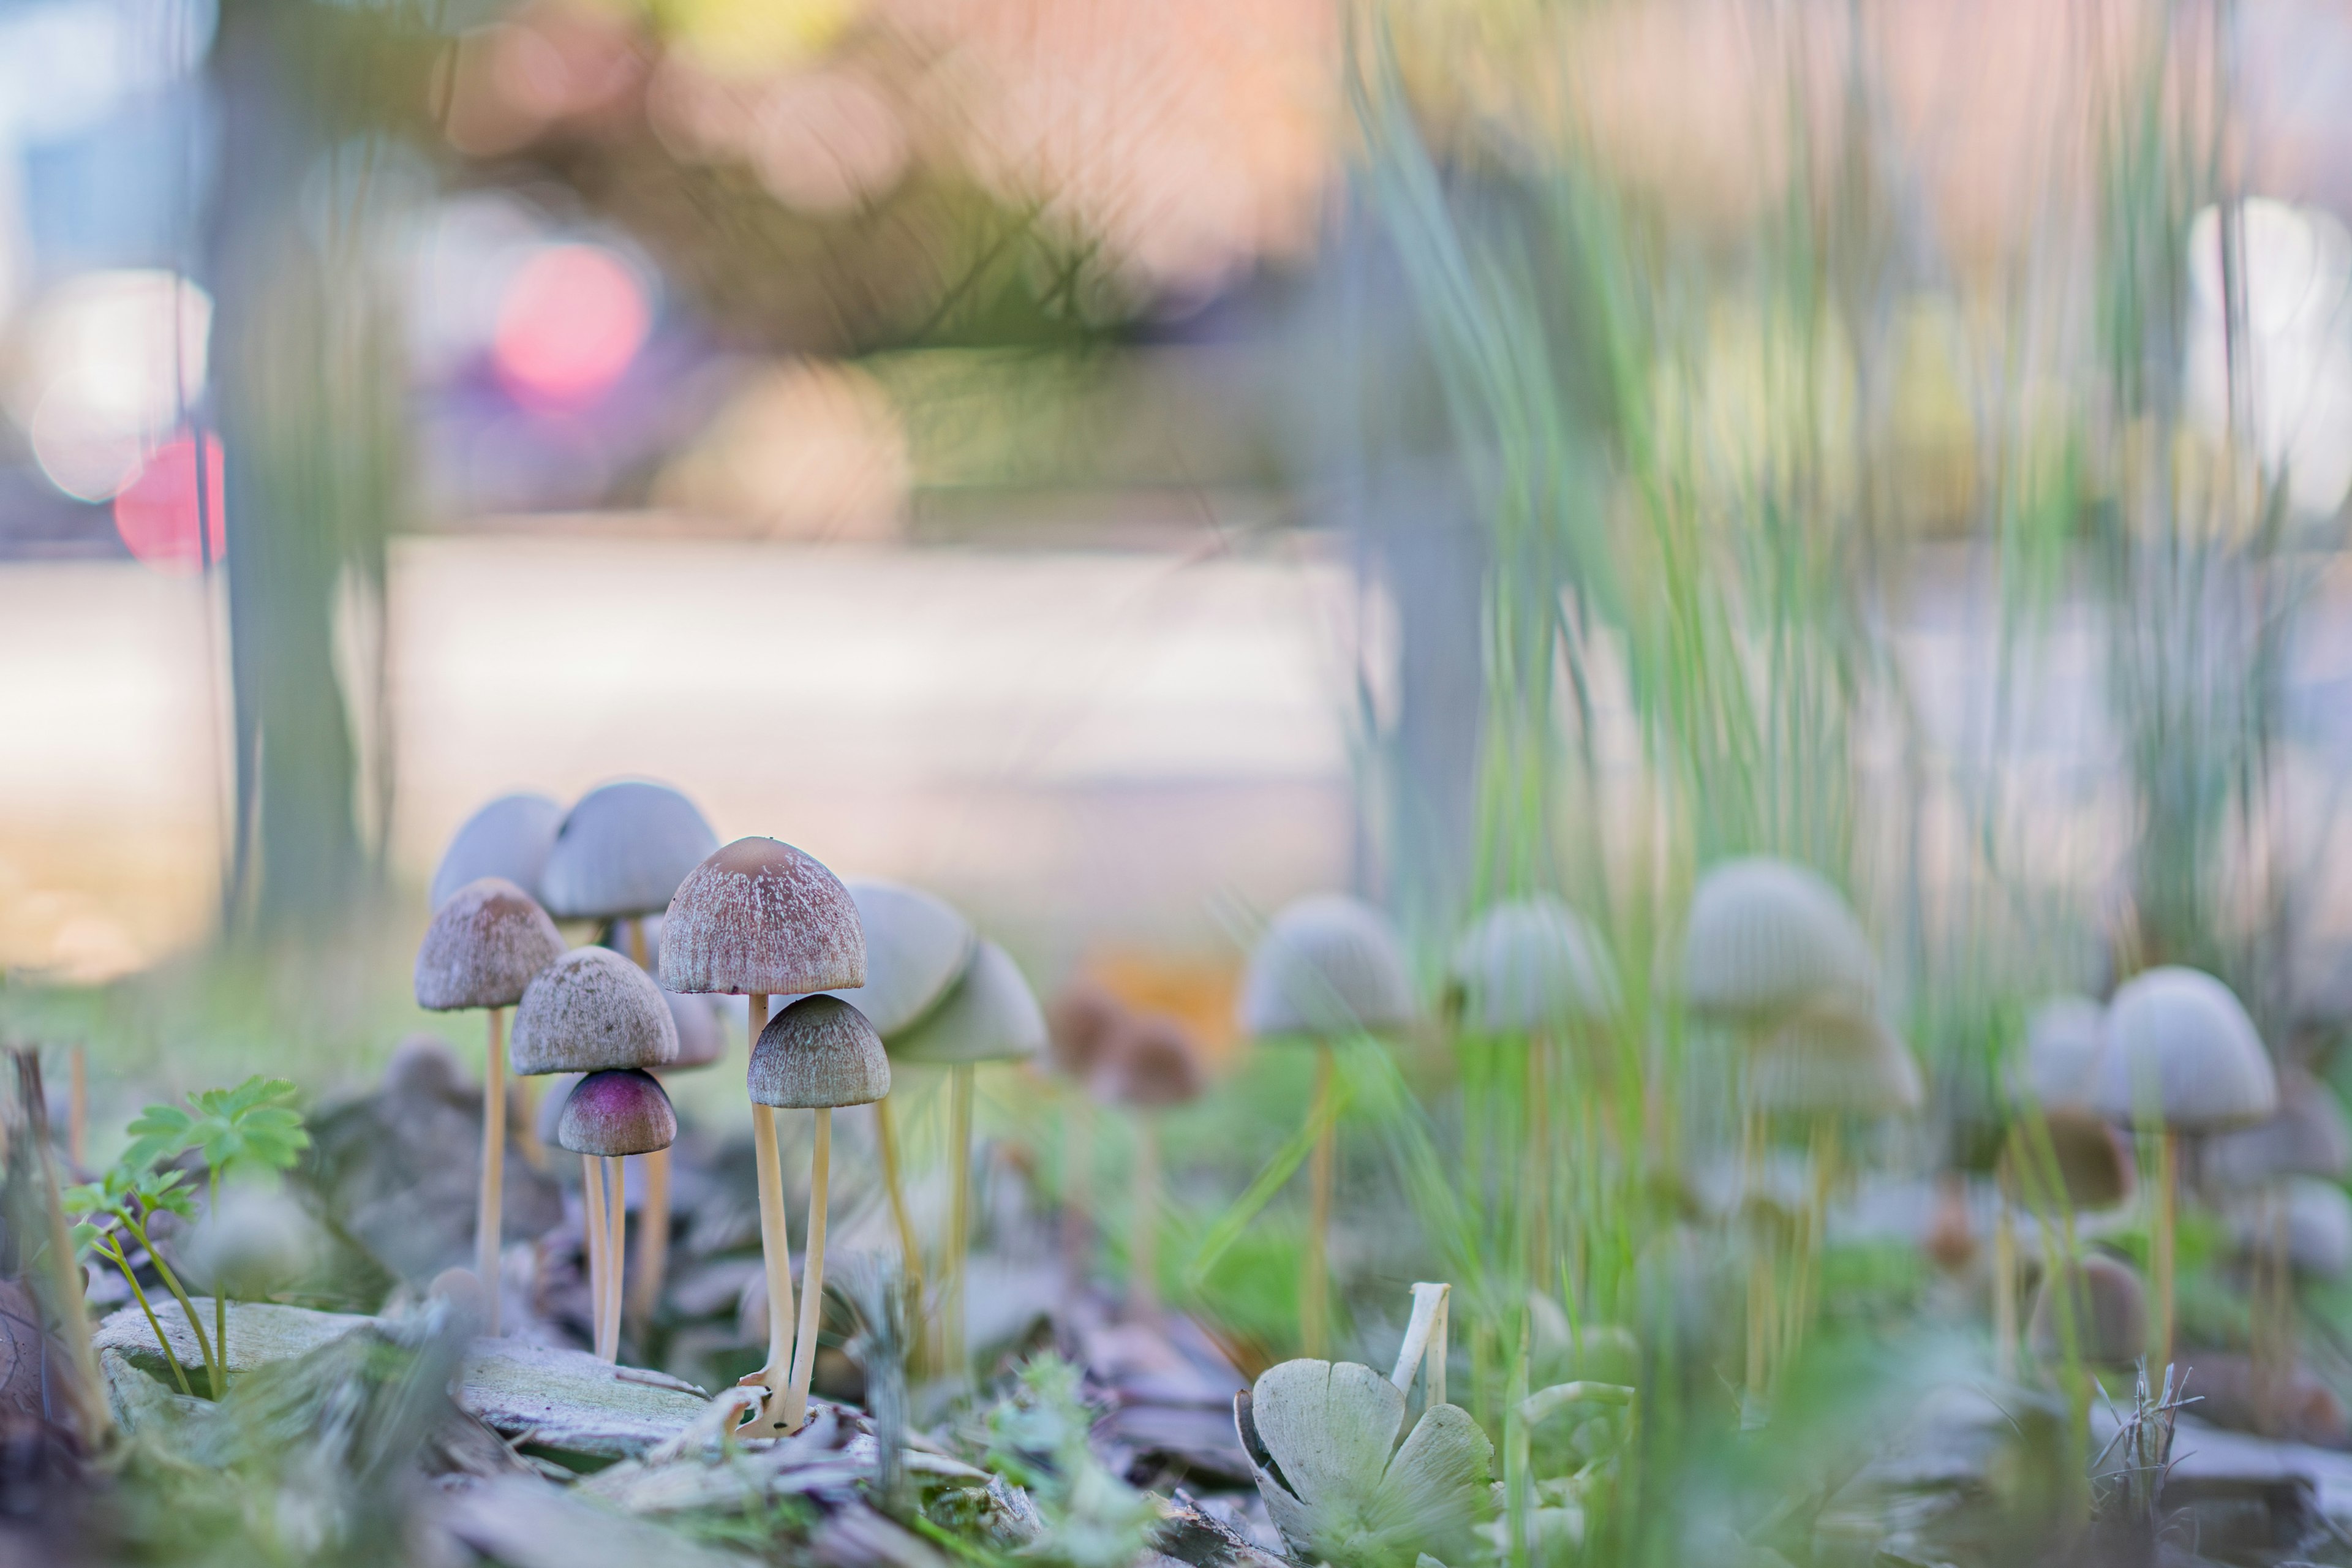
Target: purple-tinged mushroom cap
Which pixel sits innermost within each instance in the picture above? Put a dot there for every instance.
(486, 943)
(818, 1053)
(590, 1010)
(761, 915)
(619, 1112)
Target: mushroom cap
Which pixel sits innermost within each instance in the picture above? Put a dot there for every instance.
(2110, 1311)
(509, 838)
(992, 1015)
(761, 915)
(1080, 1025)
(619, 1111)
(2307, 1137)
(2181, 1036)
(623, 850)
(917, 947)
(2318, 1225)
(1327, 966)
(590, 1010)
(818, 1053)
(2063, 1039)
(255, 1241)
(1151, 1063)
(700, 1040)
(1833, 1060)
(1532, 963)
(1768, 937)
(2096, 1169)
(428, 1065)
(485, 944)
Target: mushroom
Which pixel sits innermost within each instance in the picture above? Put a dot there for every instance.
(1080, 1023)
(758, 919)
(2307, 1137)
(486, 944)
(607, 1117)
(2065, 1158)
(1530, 969)
(917, 947)
(509, 838)
(1768, 942)
(1768, 937)
(816, 1054)
(2107, 1307)
(990, 1016)
(1328, 967)
(2181, 1060)
(701, 1043)
(593, 1011)
(1151, 1066)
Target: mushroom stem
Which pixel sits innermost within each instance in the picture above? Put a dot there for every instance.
(592, 1197)
(812, 1276)
(487, 1215)
(1078, 1170)
(526, 1120)
(1315, 1275)
(1536, 1175)
(960, 1081)
(77, 1108)
(775, 1251)
(652, 1241)
(617, 1253)
(2004, 1287)
(1143, 1246)
(911, 1252)
(1759, 1262)
(2160, 1245)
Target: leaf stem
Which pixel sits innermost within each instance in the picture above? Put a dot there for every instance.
(112, 1250)
(213, 1369)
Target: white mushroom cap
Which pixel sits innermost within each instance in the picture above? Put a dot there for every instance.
(2062, 1037)
(623, 850)
(486, 943)
(590, 1010)
(2317, 1222)
(2180, 1037)
(917, 947)
(1530, 964)
(991, 1016)
(1768, 937)
(2308, 1137)
(1828, 1061)
(1327, 966)
(761, 915)
(509, 838)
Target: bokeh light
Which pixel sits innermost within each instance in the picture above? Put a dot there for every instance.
(110, 362)
(572, 318)
(157, 514)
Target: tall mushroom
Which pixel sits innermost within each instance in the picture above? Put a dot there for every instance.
(1328, 968)
(593, 1011)
(486, 944)
(1530, 970)
(1081, 1023)
(1766, 942)
(761, 919)
(622, 851)
(990, 1016)
(2181, 1060)
(1151, 1066)
(819, 1054)
(701, 1043)
(2056, 1162)
(509, 838)
(607, 1117)
(917, 947)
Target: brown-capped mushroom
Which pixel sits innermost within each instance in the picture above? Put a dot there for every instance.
(593, 1011)
(757, 919)
(607, 1117)
(1151, 1066)
(816, 1054)
(487, 942)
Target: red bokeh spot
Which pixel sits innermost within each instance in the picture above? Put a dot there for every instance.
(156, 513)
(572, 318)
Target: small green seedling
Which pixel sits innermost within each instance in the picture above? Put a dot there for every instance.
(251, 1128)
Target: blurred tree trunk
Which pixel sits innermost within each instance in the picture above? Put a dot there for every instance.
(309, 403)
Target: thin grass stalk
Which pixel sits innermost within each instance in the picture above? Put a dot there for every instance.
(1315, 1269)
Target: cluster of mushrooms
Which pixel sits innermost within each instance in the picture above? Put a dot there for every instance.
(686, 919)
